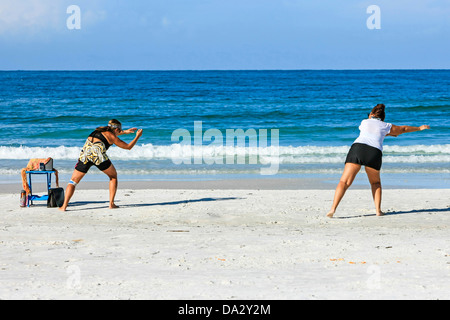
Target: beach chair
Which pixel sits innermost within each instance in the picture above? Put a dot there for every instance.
(33, 197)
(38, 167)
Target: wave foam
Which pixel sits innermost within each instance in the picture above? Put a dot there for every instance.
(285, 154)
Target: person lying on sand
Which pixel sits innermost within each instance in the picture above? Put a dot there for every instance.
(367, 150)
(94, 154)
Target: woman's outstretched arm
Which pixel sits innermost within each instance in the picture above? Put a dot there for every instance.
(398, 130)
(123, 144)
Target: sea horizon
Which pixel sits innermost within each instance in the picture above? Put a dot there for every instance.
(212, 70)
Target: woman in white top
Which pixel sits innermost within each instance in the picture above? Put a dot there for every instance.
(367, 151)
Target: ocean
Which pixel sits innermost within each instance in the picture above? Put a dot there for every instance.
(315, 113)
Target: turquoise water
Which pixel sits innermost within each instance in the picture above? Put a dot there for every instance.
(317, 114)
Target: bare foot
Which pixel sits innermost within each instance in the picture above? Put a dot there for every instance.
(62, 209)
(380, 214)
(113, 206)
(331, 214)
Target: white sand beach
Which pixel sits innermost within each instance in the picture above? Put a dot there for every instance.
(204, 243)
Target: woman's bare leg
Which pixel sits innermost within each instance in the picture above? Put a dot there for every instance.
(76, 177)
(112, 174)
(375, 183)
(350, 172)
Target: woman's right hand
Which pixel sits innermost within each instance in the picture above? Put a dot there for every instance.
(139, 133)
(424, 127)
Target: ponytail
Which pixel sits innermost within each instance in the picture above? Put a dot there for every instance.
(112, 124)
(379, 111)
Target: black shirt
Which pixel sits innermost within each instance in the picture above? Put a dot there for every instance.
(101, 137)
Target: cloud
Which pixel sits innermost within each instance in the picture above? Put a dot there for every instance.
(30, 16)
(33, 17)
(165, 22)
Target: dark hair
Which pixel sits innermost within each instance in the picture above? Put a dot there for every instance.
(112, 124)
(379, 111)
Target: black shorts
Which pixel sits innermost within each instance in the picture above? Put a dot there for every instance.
(365, 155)
(80, 166)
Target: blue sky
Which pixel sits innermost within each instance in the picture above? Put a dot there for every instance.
(226, 34)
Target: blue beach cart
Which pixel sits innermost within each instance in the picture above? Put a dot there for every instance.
(33, 197)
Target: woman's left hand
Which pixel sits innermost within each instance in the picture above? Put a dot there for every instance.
(129, 131)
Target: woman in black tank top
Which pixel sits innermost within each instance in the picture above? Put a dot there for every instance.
(94, 154)
(98, 135)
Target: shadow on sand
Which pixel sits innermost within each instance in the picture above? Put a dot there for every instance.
(171, 203)
(392, 213)
(419, 211)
